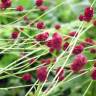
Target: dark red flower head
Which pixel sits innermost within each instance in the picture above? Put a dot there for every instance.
(89, 11)
(78, 49)
(81, 17)
(40, 25)
(89, 41)
(42, 74)
(42, 36)
(14, 34)
(87, 19)
(73, 33)
(52, 50)
(88, 14)
(39, 2)
(65, 46)
(93, 74)
(19, 8)
(83, 44)
(5, 4)
(57, 41)
(93, 50)
(26, 76)
(78, 63)
(49, 43)
(57, 26)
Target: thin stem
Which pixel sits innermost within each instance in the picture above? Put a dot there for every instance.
(87, 88)
(31, 88)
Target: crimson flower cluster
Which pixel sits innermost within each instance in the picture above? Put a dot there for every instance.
(14, 35)
(89, 41)
(42, 73)
(27, 76)
(57, 26)
(42, 36)
(79, 62)
(40, 25)
(55, 43)
(73, 33)
(5, 4)
(88, 14)
(65, 45)
(78, 49)
(93, 74)
(93, 50)
(39, 4)
(19, 8)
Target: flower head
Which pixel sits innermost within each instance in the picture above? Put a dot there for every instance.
(42, 73)
(39, 2)
(78, 63)
(78, 49)
(42, 36)
(93, 74)
(19, 8)
(26, 76)
(14, 34)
